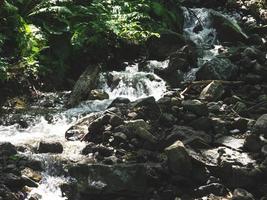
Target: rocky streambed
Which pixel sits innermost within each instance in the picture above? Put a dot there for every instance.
(187, 122)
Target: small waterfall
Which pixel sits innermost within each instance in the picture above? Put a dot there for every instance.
(133, 84)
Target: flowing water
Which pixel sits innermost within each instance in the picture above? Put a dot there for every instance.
(131, 83)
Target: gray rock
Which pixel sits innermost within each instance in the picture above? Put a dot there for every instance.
(7, 149)
(260, 126)
(179, 161)
(118, 180)
(196, 107)
(85, 84)
(212, 92)
(116, 121)
(217, 69)
(50, 147)
(141, 129)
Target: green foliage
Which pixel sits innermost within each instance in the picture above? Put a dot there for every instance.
(42, 35)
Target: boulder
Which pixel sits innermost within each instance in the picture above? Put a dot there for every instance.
(260, 126)
(179, 161)
(116, 180)
(212, 92)
(140, 129)
(50, 147)
(227, 29)
(85, 84)
(217, 69)
(7, 149)
(159, 48)
(195, 106)
(146, 108)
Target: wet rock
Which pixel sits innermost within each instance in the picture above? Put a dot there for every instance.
(116, 121)
(6, 194)
(228, 30)
(253, 143)
(260, 126)
(140, 129)
(84, 85)
(161, 48)
(12, 181)
(196, 107)
(212, 92)
(146, 108)
(7, 149)
(242, 194)
(118, 180)
(186, 134)
(98, 94)
(120, 137)
(217, 69)
(119, 100)
(179, 161)
(50, 147)
(264, 150)
(202, 123)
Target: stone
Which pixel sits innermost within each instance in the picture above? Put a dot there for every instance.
(168, 43)
(179, 161)
(117, 180)
(85, 84)
(141, 129)
(202, 123)
(212, 92)
(196, 107)
(119, 100)
(146, 108)
(227, 29)
(50, 147)
(253, 143)
(217, 69)
(260, 126)
(98, 94)
(242, 194)
(116, 121)
(7, 149)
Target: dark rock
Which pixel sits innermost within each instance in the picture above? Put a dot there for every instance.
(217, 69)
(179, 161)
(202, 123)
(196, 107)
(51, 147)
(119, 100)
(146, 108)
(84, 85)
(7, 149)
(212, 92)
(260, 126)
(253, 143)
(168, 43)
(14, 182)
(118, 180)
(228, 30)
(116, 121)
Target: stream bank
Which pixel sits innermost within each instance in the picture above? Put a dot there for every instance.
(190, 124)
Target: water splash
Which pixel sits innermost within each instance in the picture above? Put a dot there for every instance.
(133, 84)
